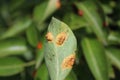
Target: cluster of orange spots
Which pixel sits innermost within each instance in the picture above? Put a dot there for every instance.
(49, 36)
(68, 62)
(61, 38)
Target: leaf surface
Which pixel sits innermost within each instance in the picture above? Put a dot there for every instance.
(60, 49)
(96, 58)
(10, 66)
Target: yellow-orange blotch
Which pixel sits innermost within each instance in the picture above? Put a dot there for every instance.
(68, 62)
(61, 38)
(58, 4)
(49, 36)
(39, 46)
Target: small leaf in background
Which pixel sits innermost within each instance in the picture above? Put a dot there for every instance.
(40, 52)
(60, 50)
(112, 4)
(39, 11)
(74, 21)
(71, 76)
(110, 69)
(42, 73)
(92, 17)
(17, 28)
(114, 55)
(12, 47)
(10, 66)
(100, 10)
(107, 9)
(32, 35)
(44, 10)
(114, 37)
(96, 58)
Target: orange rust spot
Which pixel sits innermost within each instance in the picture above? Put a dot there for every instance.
(80, 12)
(68, 62)
(58, 4)
(61, 38)
(39, 46)
(49, 36)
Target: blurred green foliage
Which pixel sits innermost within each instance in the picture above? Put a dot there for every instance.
(95, 23)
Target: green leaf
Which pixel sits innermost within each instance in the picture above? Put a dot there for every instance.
(42, 73)
(10, 66)
(17, 28)
(114, 37)
(40, 53)
(44, 10)
(96, 58)
(60, 49)
(107, 9)
(100, 10)
(110, 69)
(71, 76)
(39, 12)
(32, 35)
(93, 18)
(12, 47)
(114, 55)
(75, 21)
(113, 4)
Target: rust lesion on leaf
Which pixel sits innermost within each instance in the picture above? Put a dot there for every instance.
(61, 37)
(49, 36)
(58, 4)
(68, 62)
